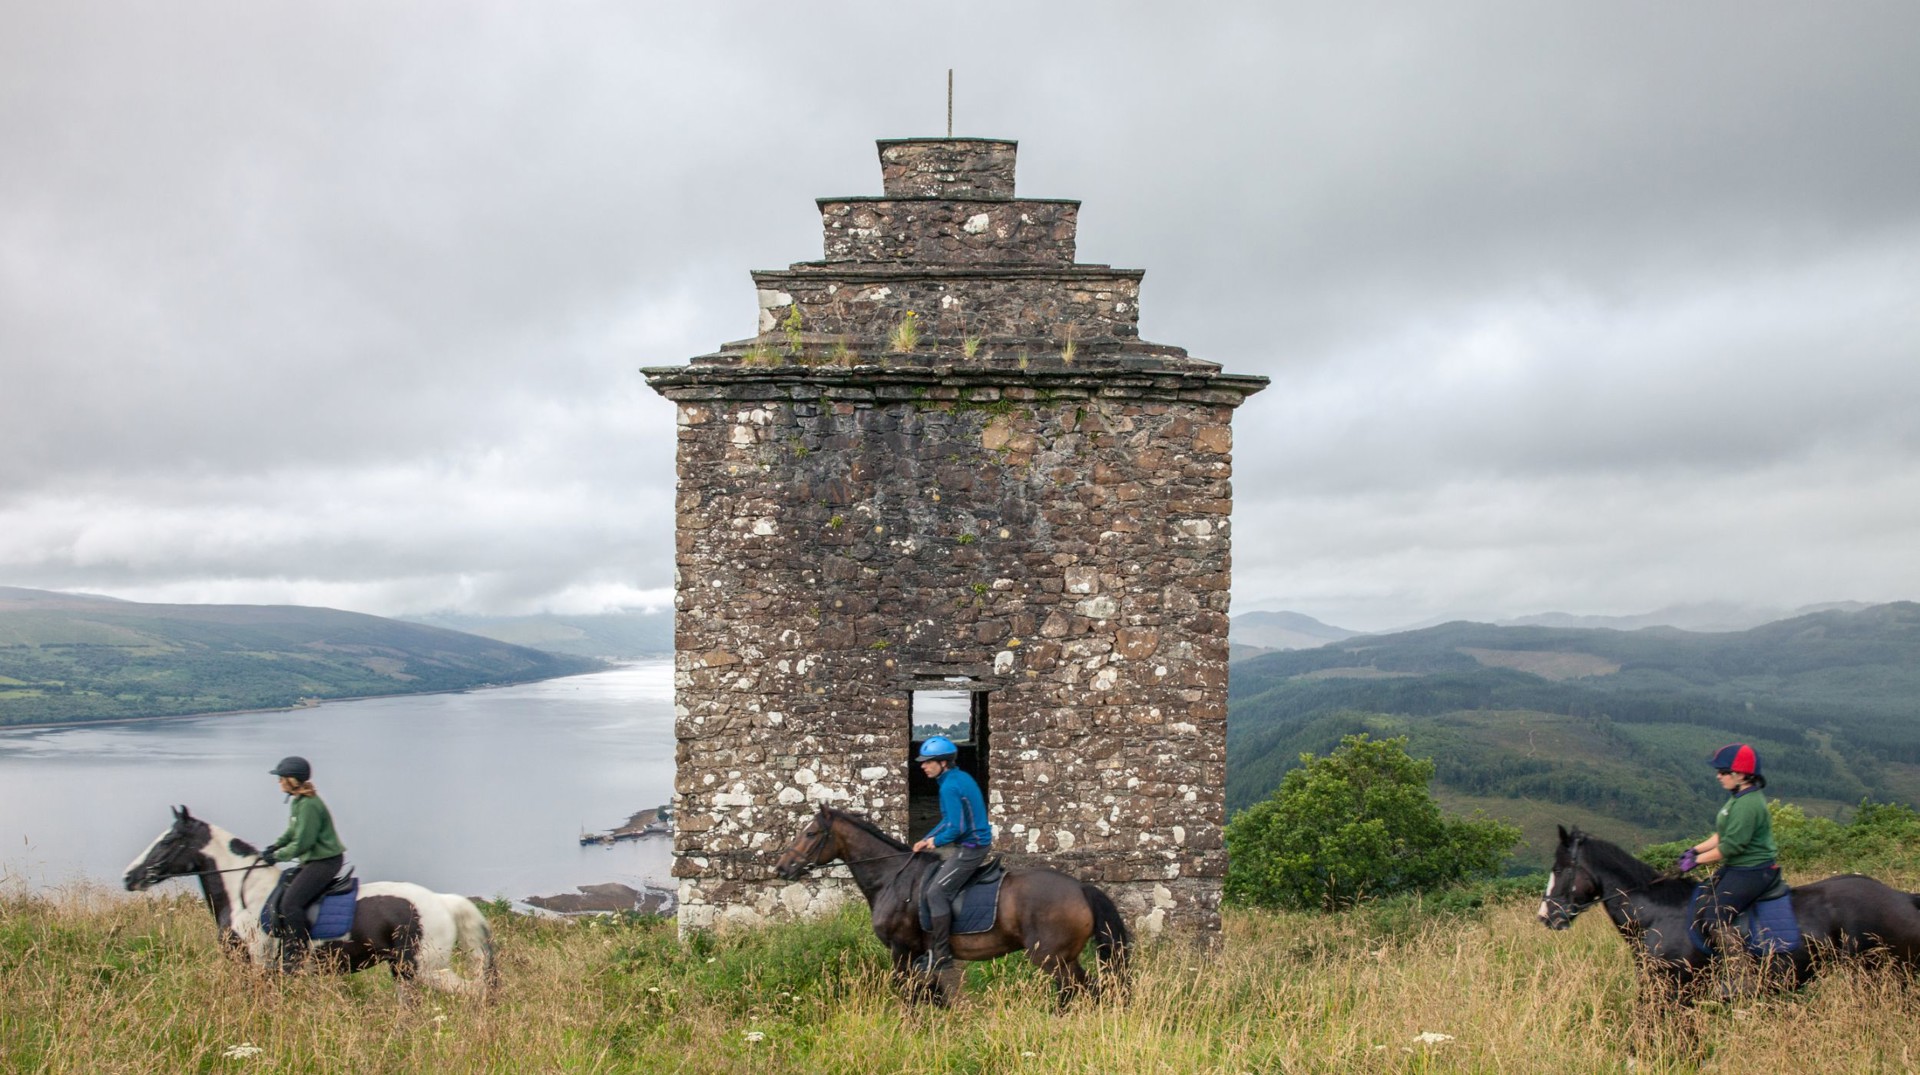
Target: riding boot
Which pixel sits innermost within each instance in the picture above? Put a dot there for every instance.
(293, 950)
(939, 942)
(1738, 975)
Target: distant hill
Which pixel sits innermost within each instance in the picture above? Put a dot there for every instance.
(1252, 633)
(1607, 728)
(1709, 616)
(612, 636)
(68, 657)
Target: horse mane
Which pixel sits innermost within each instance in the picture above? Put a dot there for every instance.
(864, 824)
(1615, 859)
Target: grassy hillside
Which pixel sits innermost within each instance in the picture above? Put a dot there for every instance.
(68, 657)
(614, 636)
(1534, 722)
(98, 982)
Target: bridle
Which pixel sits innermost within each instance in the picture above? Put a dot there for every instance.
(819, 843)
(1568, 907)
(260, 864)
(1571, 909)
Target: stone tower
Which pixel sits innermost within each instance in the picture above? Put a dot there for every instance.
(947, 486)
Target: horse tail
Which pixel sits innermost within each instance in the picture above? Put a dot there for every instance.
(1110, 936)
(477, 938)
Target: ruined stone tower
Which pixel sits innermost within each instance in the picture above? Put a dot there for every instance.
(947, 486)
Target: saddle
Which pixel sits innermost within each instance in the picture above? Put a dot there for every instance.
(976, 906)
(328, 917)
(1770, 926)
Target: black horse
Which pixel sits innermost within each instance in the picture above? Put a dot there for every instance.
(1845, 915)
(1045, 913)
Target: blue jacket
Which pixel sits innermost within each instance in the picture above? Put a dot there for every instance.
(963, 813)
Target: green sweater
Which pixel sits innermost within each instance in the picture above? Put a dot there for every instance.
(1746, 830)
(309, 832)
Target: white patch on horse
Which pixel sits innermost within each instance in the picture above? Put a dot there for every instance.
(447, 923)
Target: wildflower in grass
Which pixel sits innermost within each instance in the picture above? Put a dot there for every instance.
(754, 1036)
(243, 1051)
(1431, 1038)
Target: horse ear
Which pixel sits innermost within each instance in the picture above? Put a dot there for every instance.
(179, 812)
(1564, 835)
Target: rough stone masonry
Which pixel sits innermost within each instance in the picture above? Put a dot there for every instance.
(947, 461)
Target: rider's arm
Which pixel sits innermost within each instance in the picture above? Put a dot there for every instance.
(302, 830)
(1707, 850)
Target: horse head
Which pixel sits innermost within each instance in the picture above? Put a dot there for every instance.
(1572, 886)
(814, 846)
(178, 851)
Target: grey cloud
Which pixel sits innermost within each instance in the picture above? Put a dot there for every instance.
(348, 300)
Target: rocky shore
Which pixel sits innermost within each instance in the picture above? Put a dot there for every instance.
(611, 898)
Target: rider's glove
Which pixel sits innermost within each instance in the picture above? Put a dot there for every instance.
(1688, 860)
(267, 853)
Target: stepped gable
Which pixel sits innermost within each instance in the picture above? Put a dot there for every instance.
(948, 240)
(947, 480)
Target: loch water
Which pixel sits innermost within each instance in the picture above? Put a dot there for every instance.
(484, 793)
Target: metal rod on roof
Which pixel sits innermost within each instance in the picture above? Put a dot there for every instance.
(949, 102)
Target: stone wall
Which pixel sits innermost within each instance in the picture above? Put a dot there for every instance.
(1031, 502)
(1065, 543)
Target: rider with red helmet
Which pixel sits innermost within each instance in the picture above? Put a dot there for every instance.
(1742, 842)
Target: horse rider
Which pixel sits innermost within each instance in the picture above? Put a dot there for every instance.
(309, 840)
(1742, 842)
(963, 822)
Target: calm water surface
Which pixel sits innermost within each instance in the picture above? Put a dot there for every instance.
(483, 793)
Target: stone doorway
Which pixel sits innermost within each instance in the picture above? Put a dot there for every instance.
(960, 715)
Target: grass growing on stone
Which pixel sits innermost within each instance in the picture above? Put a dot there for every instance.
(94, 981)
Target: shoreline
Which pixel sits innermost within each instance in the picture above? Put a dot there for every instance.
(99, 722)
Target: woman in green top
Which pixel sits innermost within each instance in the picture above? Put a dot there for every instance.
(310, 841)
(1742, 841)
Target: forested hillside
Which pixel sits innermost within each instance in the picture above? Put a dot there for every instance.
(1601, 727)
(67, 657)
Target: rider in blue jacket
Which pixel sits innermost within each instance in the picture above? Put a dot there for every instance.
(963, 822)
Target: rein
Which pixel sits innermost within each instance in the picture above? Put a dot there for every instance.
(1573, 863)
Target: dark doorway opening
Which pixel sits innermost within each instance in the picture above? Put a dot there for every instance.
(960, 715)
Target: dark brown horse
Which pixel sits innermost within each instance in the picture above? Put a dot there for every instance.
(1045, 913)
(1841, 916)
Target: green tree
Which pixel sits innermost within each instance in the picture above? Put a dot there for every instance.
(1355, 824)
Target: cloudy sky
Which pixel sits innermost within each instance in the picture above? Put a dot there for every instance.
(1594, 308)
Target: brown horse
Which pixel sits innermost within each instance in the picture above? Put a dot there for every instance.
(1044, 912)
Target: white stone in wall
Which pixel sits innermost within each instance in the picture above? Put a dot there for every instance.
(791, 796)
(976, 224)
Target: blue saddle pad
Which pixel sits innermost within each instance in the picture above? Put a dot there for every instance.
(1770, 926)
(331, 917)
(976, 907)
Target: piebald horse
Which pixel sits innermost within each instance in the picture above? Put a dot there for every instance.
(413, 930)
(1044, 913)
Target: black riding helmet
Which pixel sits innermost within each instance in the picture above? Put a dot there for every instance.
(294, 766)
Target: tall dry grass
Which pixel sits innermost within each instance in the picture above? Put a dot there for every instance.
(95, 982)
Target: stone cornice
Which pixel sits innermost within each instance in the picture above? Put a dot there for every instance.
(1191, 382)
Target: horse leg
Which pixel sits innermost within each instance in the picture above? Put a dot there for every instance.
(1069, 978)
(911, 987)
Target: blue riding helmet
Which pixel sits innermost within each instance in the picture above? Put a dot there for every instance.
(937, 748)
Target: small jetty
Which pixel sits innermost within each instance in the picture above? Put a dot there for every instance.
(656, 821)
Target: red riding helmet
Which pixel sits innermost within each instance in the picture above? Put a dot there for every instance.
(1738, 758)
